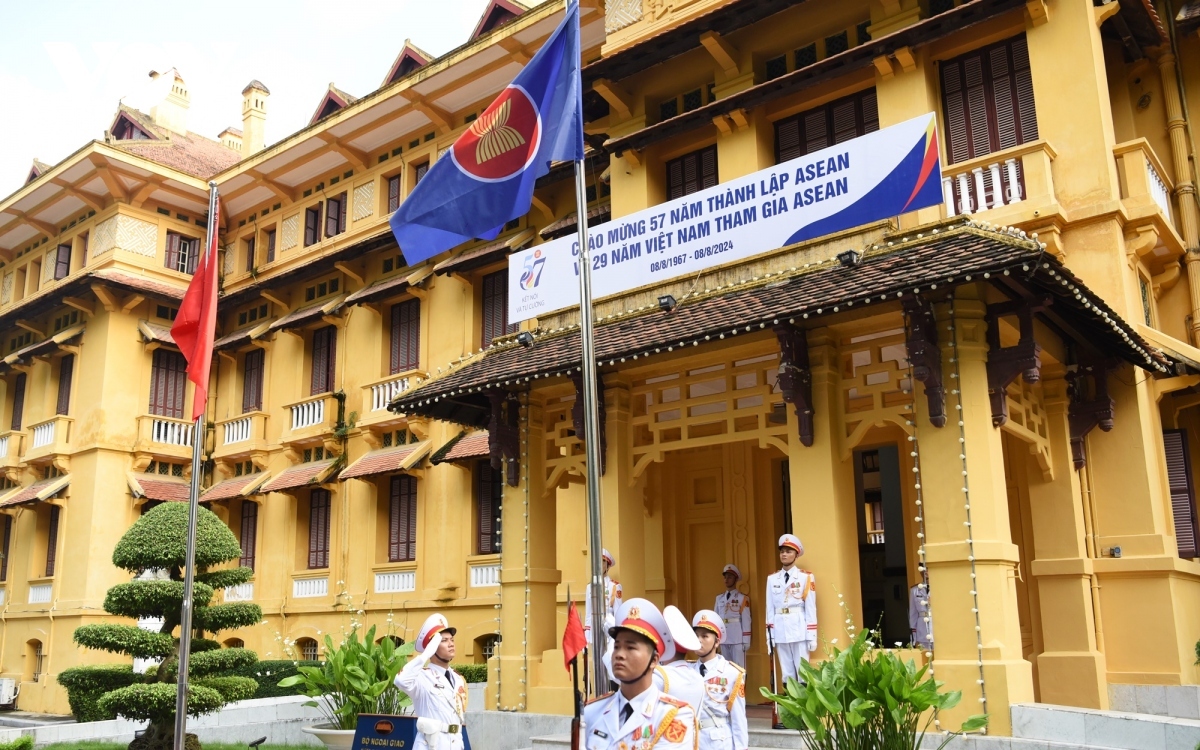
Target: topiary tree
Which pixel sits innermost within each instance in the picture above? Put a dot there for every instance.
(158, 541)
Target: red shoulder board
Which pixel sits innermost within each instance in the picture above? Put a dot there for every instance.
(672, 700)
(598, 698)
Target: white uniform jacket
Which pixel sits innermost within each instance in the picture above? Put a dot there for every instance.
(723, 715)
(734, 609)
(679, 680)
(792, 606)
(436, 700)
(612, 601)
(658, 722)
(918, 610)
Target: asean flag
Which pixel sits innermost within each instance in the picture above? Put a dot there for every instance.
(486, 178)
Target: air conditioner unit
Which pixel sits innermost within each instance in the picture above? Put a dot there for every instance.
(8, 692)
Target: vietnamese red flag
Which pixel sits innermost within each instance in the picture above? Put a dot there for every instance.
(196, 323)
(574, 640)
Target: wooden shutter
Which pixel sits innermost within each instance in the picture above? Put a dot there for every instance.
(837, 122)
(249, 533)
(168, 378)
(987, 100)
(62, 262)
(487, 515)
(5, 545)
(270, 245)
(52, 540)
(83, 244)
(692, 172)
(249, 253)
(495, 306)
(393, 193)
(252, 381)
(406, 336)
(333, 209)
(312, 225)
(66, 372)
(1183, 505)
(420, 172)
(324, 351)
(344, 203)
(402, 519)
(190, 246)
(171, 259)
(318, 529)
(18, 409)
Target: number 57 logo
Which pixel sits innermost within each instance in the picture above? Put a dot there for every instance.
(531, 275)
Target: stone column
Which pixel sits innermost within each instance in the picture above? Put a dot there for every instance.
(992, 557)
(623, 510)
(1071, 667)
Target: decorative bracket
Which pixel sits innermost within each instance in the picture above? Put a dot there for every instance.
(1085, 413)
(795, 377)
(926, 357)
(1006, 363)
(504, 440)
(577, 415)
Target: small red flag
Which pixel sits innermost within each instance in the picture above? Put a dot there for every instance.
(574, 640)
(196, 324)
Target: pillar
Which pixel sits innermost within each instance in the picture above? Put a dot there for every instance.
(957, 655)
(1185, 189)
(622, 510)
(1071, 667)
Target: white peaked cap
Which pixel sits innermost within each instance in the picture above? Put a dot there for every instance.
(731, 568)
(706, 618)
(434, 624)
(641, 616)
(681, 630)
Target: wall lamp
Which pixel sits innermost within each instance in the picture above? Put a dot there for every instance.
(525, 339)
(667, 303)
(850, 258)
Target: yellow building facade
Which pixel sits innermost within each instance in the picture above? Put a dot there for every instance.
(998, 399)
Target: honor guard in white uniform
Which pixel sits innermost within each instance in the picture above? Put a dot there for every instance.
(638, 716)
(675, 676)
(723, 713)
(734, 608)
(439, 695)
(791, 609)
(918, 616)
(612, 600)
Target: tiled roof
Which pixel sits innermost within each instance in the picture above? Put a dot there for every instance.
(387, 460)
(192, 153)
(42, 489)
(1188, 16)
(379, 290)
(155, 487)
(241, 336)
(308, 314)
(566, 225)
(155, 332)
(462, 448)
(477, 257)
(242, 486)
(140, 283)
(46, 345)
(958, 252)
(314, 472)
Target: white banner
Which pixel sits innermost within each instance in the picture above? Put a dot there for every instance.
(882, 174)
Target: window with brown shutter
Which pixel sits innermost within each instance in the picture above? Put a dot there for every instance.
(488, 496)
(402, 519)
(62, 262)
(52, 540)
(181, 253)
(836, 122)
(692, 172)
(421, 170)
(318, 529)
(249, 253)
(168, 376)
(18, 408)
(252, 381)
(270, 245)
(6, 523)
(393, 193)
(335, 216)
(249, 535)
(1183, 504)
(987, 100)
(312, 225)
(66, 372)
(495, 306)
(406, 336)
(324, 351)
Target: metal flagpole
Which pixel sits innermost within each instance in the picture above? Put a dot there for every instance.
(189, 575)
(591, 425)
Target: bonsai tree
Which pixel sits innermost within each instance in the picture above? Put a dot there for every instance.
(158, 541)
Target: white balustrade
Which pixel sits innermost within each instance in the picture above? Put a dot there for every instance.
(1158, 189)
(485, 575)
(4, 447)
(243, 592)
(43, 434)
(982, 188)
(875, 537)
(171, 432)
(306, 588)
(308, 413)
(3, 594)
(40, 593)
(238, 430)
(395, 581)
(383, 393)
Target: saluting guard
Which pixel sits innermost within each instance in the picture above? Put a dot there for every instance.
(734, 608)
(791, 609)
(674, 675)
(639, 716)
(438, 694)
(723, 713)
(612, 601)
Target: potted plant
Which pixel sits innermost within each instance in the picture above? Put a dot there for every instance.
(357, 677)
(865, 697)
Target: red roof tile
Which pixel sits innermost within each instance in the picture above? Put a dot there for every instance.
(155, 332)
(164, 488)
(140, 283)
(40, 490)
(230, 488)
(566, 225)
(307, 314)
(299, 476)
(192, 153)
(386, 461)
(477, 257)
(464, 448)
(379, 290)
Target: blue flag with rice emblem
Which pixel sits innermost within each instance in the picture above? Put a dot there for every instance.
(486, 178)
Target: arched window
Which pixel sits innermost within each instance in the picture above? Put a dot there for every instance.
(35, 655)
(235, 643)
(307, 648)
(486, 647)
(397, 640)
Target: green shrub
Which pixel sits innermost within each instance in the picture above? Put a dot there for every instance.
(231, 688)
(20, 743)
(133, 598)
(161, 541)
(126, 639)
(268, 674)
(152, 702)
(219, 579)
(85, 685)
(472, 672)
(220, 617)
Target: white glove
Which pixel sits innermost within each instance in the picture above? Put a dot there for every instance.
(609, 622)
(428, 726)
(432, 648)
(812, 645)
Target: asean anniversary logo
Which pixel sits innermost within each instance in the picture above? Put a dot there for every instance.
(503, 140)
(531, 274)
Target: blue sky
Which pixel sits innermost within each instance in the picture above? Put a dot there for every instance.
(65, 64)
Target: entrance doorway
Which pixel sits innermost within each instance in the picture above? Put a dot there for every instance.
(882, 555)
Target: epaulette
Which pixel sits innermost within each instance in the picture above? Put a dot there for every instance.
(736, 666)
(672, 701)
(598, 698)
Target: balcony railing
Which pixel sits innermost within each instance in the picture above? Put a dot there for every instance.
(1143, 175)
(3, 595)
(236, 430)
(307, 588)
(241, 434)
(51, 436)
(12, 444)
(485, 575)
(41, 593)
(1003, 178)
(43, 434)
(395, 581)
(308, 413)
(243, 592)
(378, 394)
(309, 418)
(171, 431)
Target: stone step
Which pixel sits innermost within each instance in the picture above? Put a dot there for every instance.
(1103, 729)
(1179, 701)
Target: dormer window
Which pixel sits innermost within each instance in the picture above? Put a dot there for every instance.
(125, 129)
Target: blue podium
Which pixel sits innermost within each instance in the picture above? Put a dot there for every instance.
(379, 732)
